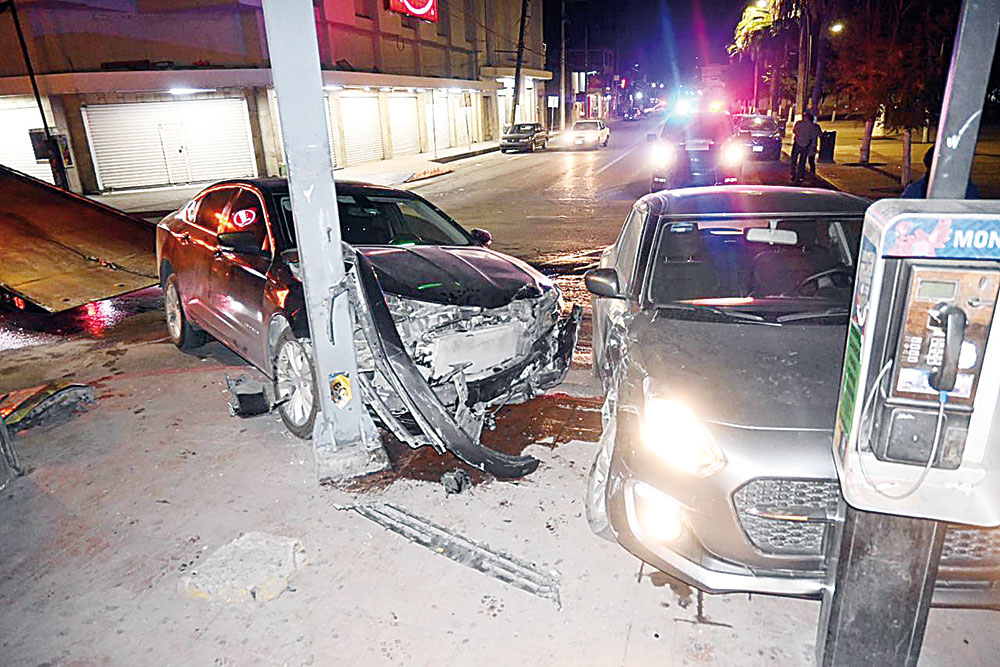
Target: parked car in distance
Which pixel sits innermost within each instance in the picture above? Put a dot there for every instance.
(761, 136)
(524, 137)
(228, 265)
(719, 327)
(587, 134)
(696, 149)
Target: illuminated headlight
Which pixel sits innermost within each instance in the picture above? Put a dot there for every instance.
(674, 433)
(683, 106)
(733, 154)
(663, 155)
(659, 516)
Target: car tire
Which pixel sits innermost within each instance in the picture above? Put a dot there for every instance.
(295, 383)
(503, 150)
(182, 333)
(595, 501)
(545, 145)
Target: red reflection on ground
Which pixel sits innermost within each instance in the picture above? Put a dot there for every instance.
(97, 317)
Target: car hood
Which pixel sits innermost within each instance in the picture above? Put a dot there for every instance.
(460, 276)
(752, 375)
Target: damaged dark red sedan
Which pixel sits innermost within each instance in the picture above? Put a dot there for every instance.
(482, 328)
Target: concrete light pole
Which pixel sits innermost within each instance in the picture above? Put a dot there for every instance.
(345, 443)
(562, 68)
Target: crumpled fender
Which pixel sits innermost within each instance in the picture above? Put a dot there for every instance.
(398, 368)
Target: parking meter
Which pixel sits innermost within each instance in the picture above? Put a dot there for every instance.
(917, 431)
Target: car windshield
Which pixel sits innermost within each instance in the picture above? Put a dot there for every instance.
(712, 127)
(586, 125)
(758, 123)
(385, 220)
(783, 270)
(524, 128)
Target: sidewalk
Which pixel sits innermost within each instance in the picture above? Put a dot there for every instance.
(880, 178)
(153, 203)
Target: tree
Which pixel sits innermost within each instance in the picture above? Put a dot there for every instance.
(891, 60)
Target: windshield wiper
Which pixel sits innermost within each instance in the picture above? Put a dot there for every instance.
(813, 314)
(731, 314)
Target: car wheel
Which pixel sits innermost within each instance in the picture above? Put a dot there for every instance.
(503, 150)
(182, 332)
(295, 383)
(597, 482)
(545, 145)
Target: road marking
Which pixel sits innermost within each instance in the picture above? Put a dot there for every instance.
(619, 158)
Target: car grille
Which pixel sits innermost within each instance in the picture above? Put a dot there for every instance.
(800, 497)
(964, 546)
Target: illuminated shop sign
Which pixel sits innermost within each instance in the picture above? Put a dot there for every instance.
(421, 9)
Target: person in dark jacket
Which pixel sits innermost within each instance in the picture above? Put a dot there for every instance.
(918, 188)
(806, 133)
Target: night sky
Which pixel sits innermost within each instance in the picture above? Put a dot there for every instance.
(663, 35)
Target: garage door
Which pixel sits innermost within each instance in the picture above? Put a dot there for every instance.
(166, 143)
(437, 123)
(15, 146)
(462, 121)
(362, 129)
(404, 126)
(331, 127)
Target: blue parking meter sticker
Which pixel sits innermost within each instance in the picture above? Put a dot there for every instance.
(944, 238)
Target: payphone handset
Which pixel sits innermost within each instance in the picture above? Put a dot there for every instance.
(918, 430)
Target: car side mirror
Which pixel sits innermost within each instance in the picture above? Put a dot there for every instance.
(240, 243)
(603, 282)
(651, 138)
(482, 237)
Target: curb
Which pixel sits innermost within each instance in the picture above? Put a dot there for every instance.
(427, 173)
(819, 181)
(462, 156)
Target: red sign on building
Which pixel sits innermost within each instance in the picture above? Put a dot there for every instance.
(426, 10)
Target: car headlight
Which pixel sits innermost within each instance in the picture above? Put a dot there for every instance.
(663, 155)
(733, 154)
(674, 433)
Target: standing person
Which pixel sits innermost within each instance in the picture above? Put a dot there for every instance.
(918, 188)
(805, 133)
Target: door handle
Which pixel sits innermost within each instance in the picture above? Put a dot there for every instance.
(184, 238)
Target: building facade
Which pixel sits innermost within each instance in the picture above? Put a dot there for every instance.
(154, 93)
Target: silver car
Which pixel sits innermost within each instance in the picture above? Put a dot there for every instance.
(720, 320)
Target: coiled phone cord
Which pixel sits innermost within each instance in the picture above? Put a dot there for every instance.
(942, 400)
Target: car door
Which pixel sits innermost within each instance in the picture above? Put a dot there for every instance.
(608, 315)
(238, 279)
(196, 244)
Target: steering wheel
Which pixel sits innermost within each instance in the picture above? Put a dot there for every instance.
(841, 270)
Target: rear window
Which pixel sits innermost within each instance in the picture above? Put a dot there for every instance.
(587, 125)
(522, 129)
(384, 220)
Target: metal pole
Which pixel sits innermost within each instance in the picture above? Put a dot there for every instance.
(55, 153)
(962, 109)
(345, 443)
(562, 68)
(520, 62)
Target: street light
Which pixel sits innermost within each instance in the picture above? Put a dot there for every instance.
(837, 28)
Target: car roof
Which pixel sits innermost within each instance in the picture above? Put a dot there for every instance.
(754, 199)
(280, 185)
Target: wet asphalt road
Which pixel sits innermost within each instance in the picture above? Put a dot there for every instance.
(555, 208)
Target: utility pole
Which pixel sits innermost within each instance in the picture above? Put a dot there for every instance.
(562, 68)
(803, 74)
(345, 442)
(54, 150)
(520, 62)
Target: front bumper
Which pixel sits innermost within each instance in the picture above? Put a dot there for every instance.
(683, 178)
(722, 548)
(516, 144)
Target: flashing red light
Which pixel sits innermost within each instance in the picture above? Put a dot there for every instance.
(19, 303)
(624, 83)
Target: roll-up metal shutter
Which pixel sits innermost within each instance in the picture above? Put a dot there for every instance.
(331, 127)
(15, 145)
(164, 143)
(462, 121)
(362, 128)
(438, 126)
(404, 126)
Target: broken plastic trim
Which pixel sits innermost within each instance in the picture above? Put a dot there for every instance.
(461, 549)
(396, 366)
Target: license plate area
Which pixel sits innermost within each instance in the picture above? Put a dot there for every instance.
(758, 149)
(484, 348)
